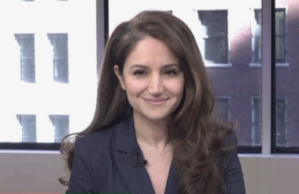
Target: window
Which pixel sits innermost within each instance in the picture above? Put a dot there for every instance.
(28, 123)
(222, 108)
(215, 35)
(281, 119)
(223, 38)
(60, 57)
(61, 124)
(280, 35)
(27, 58)
(256, 119)
(227, 35)
(285, 136)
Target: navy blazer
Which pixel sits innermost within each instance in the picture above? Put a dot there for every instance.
(110, 161)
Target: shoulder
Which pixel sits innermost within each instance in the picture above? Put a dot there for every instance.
(98, 140)
(231, 167)
(228, 151)
(230, 139)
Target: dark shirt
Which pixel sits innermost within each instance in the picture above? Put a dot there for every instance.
(111, 161)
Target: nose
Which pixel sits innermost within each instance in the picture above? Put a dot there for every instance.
(155, 86)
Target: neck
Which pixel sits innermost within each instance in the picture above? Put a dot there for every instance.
(151, 133)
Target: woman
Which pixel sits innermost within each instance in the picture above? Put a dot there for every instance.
(153, 130)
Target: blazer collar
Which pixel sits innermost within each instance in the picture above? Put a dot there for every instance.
(129, 158)
(126, 138)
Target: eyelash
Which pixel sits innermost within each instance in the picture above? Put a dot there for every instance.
(139, 72)
(171, 72)
(168, 72)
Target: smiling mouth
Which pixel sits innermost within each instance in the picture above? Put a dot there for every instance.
(156, 101)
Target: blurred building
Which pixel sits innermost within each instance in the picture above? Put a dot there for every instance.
(47, 68)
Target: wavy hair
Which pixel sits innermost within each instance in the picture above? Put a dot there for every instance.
(198, 138)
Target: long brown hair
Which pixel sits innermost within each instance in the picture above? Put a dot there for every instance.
(197, 137)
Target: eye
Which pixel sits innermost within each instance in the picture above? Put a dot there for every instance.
(139, 72)
(171, 72)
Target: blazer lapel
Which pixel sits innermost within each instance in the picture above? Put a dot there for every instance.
(172, 185)
(135, 176)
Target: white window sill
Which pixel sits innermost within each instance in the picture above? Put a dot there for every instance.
(29, 152)
(268, 155)
(41, 152)
(277, 64)
(209, 64)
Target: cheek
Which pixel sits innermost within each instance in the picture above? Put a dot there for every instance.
(134, 87)
(176, 87)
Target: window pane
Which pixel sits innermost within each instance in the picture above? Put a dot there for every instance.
(281, 130)
(60, 57)
(215, 49)
(61, 124)
(28, 123)
(258, 49)
(279, 22)
(287, 79)
(280, 46)
(258, 22)
(280, 36)
(221, 109)
(215, 22)
(256, 118)
(49, 44)
(27, 58)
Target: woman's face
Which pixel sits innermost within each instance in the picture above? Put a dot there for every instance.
(152, 79)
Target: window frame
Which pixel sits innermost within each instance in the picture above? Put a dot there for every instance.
(269, 51)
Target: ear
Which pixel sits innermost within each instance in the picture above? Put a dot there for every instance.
(119, 76)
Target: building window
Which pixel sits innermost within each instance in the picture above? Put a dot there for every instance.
(281, 120)
(215, 35)
(28, 123)
(27, 57)
(222, 108)
(60, 57)
(256, 119)
(280, 36)
(169, 11)
(61, 125)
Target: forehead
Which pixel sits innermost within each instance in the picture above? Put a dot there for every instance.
(151, 51)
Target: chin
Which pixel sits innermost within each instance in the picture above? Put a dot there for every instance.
(156, 117)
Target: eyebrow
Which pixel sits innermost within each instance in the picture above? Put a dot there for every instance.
(164, 66)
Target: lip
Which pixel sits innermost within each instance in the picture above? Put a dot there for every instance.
(156, 101)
